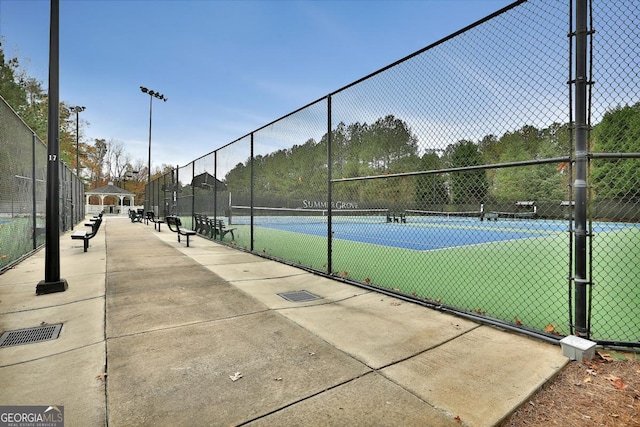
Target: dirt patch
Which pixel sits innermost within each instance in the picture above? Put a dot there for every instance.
(601, 392)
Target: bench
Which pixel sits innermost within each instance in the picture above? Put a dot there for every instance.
(219, 229)
(175, 225)
(489, 216)
(211, 228)
(134, 216)
(203, 225)
(86, 235)
(156, 221)
(95, 218)
(399, 217)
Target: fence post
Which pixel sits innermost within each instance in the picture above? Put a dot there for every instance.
(251, 185)
(193, 195)
(176, 193)
(329, 191)
(34, 212)
(215, 188)
(581, 281)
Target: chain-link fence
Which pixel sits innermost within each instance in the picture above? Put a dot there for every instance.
(452, 178)
(23, 174)
(614, 171)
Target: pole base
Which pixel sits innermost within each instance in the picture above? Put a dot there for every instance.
(51, 287)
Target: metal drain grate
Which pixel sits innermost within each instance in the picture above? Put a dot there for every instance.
(30, 335)
(299, 296)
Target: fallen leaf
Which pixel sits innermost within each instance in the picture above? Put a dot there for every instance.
(102, 377)
(236, 376)
(587, 380)
(551, 328)
(479, 311)
(606, 357)
(517, 321)
(438, 300)
(344, 274)
(592, 365)
(617, 382)
(592, 372)
(457, 418)
(367, 280)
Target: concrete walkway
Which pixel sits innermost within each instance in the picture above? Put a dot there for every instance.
(199, 336)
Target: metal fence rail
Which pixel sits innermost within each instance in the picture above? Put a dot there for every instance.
(23, 174)
(494, 174)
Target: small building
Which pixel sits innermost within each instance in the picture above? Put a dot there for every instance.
(109, 192)
(207, 181)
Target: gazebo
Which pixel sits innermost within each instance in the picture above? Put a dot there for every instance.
(108, 190)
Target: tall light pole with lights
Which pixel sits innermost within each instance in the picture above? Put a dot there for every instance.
(152, 94)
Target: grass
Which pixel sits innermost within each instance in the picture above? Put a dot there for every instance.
(522, 281)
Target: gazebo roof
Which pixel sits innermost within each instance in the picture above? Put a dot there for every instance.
(110, 190)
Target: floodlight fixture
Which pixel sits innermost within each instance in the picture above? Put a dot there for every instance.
(158, 95)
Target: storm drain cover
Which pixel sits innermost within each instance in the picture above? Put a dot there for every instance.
(299, 296)
(30, 335)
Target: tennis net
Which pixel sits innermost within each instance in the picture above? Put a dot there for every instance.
(271, 215)
(413, 215)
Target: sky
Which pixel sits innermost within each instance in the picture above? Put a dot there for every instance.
(226, 68)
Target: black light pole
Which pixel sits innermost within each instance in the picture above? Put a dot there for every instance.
(152, 95)
(52, 281)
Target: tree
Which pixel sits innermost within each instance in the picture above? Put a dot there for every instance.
(388, 141)
(10, 90)
(431, 190)
(535, 182)
(24, 94)
(468, 187)
(117, 161)
(35, 111)
(618, 132)
(95, 161)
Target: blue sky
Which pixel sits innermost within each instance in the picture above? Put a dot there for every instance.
(226, 67)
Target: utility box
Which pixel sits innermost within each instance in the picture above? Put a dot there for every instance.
(576, 348)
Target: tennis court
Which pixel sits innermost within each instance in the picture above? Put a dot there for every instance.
(493, 268)
(419, 232)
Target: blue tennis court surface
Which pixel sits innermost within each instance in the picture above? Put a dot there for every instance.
(433, 235)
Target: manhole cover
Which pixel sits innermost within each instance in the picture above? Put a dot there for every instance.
(299, 296)
(30, 335)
